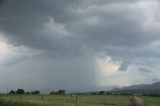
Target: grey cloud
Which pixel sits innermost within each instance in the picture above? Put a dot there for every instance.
(114, 28)
(24, 20)
(151, 80)
(156, 79)
(123, 67)
(145, 70)
(36, 13)
(43, 72)
(1, 2)
(63, 63)
(122, 32)
(93, 27)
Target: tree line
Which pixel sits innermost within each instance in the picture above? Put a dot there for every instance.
(36, 92)
(21, 91)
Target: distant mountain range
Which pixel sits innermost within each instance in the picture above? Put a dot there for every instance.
(142, 88)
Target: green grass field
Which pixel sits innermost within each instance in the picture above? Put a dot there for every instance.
(67, 100)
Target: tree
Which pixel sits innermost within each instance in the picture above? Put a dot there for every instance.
(20, 91)
(12, 92)
(93, 93)
(101, 92)
(108, 93)
(52, 93)
(61, 91)
(35, 92)
(28, 93)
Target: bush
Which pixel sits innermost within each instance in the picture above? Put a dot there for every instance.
(101, 92)
(35, 92)
(59, 92)
(52, 93)
(20, 91)
(12, 92)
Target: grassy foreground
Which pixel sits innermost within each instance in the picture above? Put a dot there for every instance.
(67, 100)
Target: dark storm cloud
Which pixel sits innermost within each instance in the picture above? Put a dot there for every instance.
(64, 64)
(113, 28)
(72, 33)
(24, 20)
(1, 2)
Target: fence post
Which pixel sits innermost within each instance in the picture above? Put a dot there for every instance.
(145, 102)
(42, 98)
(76, 101)
(20, 97)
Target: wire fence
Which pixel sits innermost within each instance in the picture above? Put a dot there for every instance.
(41, 100)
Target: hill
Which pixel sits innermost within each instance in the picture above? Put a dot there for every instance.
(139, 89)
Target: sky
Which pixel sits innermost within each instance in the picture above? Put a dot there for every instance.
(78, 45)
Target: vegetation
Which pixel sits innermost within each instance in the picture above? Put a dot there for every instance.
(34, 92)
(68, 100)
(59, 98)
(20, 91)
(12, 92)
(62, 92)
(15, 103)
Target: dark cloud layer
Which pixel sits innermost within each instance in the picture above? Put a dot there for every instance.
(70, 34)
(24, 20)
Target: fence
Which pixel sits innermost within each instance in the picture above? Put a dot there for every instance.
(56, 100)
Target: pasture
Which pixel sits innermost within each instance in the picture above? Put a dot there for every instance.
(67, 100)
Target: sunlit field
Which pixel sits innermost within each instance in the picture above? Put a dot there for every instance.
(67, 100)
